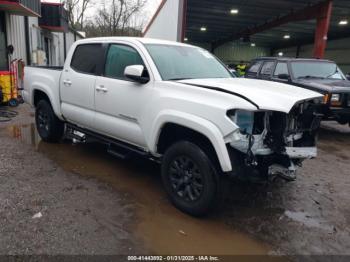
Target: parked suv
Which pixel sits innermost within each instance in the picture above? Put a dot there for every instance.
(322, 76)
(178, 105)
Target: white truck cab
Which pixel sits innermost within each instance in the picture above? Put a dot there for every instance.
(179, 105)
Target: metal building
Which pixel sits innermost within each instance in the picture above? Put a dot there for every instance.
(241, 30)
(38, 32)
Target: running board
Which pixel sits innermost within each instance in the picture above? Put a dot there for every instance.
(119, 152)
(115, 147)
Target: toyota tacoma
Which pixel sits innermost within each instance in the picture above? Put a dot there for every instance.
(179, 105)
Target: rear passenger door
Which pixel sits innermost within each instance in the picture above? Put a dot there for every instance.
(266, 70)
(77, 84)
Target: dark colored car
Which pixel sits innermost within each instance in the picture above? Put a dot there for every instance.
(322, 76)
(348, 76)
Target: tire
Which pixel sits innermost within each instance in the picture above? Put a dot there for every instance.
(190, 179)
(49, 127)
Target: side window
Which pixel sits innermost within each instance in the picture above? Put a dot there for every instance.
(87, 58)
(281, 68)
(254, 68)
(118, 58)
(267, 68)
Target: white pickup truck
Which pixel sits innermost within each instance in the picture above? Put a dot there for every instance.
(179, 105)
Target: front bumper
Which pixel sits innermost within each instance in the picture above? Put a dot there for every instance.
(241, 143)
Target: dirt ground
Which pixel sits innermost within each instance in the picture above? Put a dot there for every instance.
(92, 203)
(76, 213)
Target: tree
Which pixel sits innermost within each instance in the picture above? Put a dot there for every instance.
(115, 18)
(76, 10)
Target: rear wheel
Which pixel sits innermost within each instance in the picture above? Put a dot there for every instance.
(49, 127)
(189, 178)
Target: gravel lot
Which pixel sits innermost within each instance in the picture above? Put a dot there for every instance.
(79, 215)
(92, 203)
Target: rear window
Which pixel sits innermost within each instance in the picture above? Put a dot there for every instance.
(87, 58)
(267, 68)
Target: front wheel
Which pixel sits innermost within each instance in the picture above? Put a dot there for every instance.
(49, 127)
(189, 178)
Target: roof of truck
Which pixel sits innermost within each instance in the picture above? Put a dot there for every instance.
(132, 39)
(294, 59)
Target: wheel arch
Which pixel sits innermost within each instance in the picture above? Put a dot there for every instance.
(40, 93)
(188, 124)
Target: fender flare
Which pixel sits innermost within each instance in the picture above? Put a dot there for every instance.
(198, 124)
(47, 91)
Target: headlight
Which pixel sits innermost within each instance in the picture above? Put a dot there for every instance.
(243, 119)
(335, 98)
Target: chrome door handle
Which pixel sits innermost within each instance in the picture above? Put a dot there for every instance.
(101, 88)
(67, 82)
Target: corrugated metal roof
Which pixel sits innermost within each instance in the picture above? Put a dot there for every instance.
(221, 24)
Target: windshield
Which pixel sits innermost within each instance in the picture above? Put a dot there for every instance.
(186, 62)
(323, 70)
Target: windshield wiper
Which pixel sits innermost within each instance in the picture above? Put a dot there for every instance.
(178, 79)
(335, 72)
(308, 76)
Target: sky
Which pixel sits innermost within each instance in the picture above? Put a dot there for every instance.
(147, 14)
(151, 7)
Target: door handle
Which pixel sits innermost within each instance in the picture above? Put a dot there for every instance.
(101, 88)
(67, 82)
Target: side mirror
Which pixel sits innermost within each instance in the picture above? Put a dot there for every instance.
(135, 73)
(348, 76)
(283, 77)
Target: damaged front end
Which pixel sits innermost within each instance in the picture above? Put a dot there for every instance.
(271, 143)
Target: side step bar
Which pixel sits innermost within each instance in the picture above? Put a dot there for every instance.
(75, 135)
(115, 147)
(119, 151)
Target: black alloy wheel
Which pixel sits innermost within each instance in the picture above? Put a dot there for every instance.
(190, 178)
(186, 178)
(49, 127)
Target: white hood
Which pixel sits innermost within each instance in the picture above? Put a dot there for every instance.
(267, 95)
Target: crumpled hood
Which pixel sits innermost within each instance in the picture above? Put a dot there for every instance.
(267, 95)
(329, 85)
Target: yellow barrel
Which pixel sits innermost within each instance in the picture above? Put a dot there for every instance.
(7, 86)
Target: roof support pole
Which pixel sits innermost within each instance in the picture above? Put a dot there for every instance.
(184, 21)
(322, 28)
(27, 41)
(297, 53)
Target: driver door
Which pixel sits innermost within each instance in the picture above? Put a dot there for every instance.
(120, 102)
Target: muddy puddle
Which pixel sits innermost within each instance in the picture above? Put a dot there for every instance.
(162, 228)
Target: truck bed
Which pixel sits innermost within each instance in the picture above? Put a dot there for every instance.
(45, 78)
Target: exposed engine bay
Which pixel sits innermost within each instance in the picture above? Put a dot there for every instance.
(275, 143)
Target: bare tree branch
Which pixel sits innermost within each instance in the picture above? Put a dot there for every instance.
(117, 17)
(76, 10)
